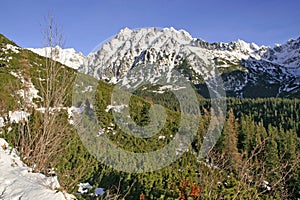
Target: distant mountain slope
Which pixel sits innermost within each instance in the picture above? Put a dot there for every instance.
(67, 57)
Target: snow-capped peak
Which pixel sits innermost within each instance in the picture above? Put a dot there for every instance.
(117, 55)
(242, 46)
(129, 47)
(69, 57)
(287, 54)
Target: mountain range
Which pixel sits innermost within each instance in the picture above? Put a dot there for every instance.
(247, 70)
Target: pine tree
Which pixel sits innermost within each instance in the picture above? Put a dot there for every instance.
(230, 150)
(271, 154)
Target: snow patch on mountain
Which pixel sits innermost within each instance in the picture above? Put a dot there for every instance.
(13, 48)
(28, 91)
(7, 51)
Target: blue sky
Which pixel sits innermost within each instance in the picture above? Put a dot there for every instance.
(87, 23)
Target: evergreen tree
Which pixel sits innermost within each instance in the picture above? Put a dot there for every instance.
(230, 149)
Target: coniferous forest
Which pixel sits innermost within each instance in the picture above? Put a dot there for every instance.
(257, 155)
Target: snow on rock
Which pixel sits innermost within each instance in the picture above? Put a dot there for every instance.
(17, 182)
(68, 57)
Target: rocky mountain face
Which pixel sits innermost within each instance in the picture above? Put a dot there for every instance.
(247, 70)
